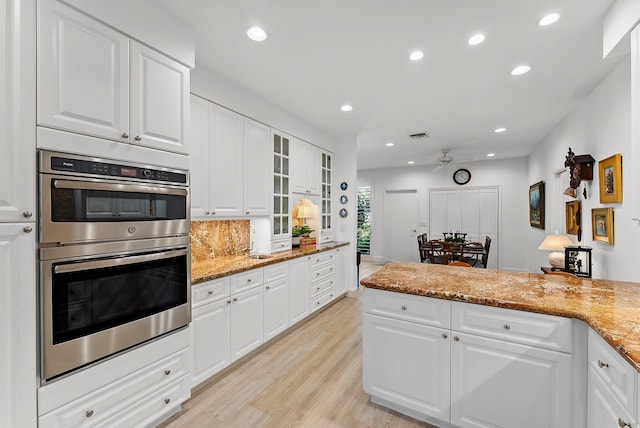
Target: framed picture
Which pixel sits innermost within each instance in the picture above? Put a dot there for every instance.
(610, 170)
(572, 217)
(536, 205)
(602, 224)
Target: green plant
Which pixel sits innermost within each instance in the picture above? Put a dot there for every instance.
(451, 239)
(303, 230)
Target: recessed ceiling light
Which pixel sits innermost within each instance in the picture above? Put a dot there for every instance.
(476, 39)
(521, 69)
(416, 55)
(411, 162)
(490, 155)
(257, 34)
(499, 130)
(346, 107)
(389, 144)
(548, 19)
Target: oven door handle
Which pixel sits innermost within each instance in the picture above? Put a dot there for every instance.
(120, 261)
(137, 188)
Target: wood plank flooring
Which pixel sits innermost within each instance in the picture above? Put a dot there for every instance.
(310, 377)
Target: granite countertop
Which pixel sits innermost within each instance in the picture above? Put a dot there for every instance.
(611, 308)
(218, 267)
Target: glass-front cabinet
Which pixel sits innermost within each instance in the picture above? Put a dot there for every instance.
(281, 219)
(325, 196)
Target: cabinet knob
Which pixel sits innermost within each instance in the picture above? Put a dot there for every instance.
(167, 400)
(167, 372)
(27, 214)
(456, 338)
(125, 135)
(247, 212)
(27, 229)
(207, 213)
(602, 364)
(229, 301)
(507, 327)
(623, 424)
(137, 138)
(318, 288)
(403, 307)
(267, 287)
(210, 292)
(444, 335)
(88, 413)
(235, 299)
(249, 280)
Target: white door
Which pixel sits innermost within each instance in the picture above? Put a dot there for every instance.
(226, 165)
(257, 168)
(298, 289)
(401, 225)
(502, 384)
(210, 339)
(603, 409)
(83, 74)
(159, 100)
(199, 157)
(407, 364)
(276, 307)
(246, 322)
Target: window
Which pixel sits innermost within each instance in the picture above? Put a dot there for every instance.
(364, 219)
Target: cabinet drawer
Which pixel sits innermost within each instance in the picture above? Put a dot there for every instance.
(613, 370)
(105, 402)
(209, 291)
(321, 258)
(407, 307)
(320, 287)
(326, 237)
(322, 299)
(323, 271)
(543, 331)
(275, 272)
(280, 245)
(247, 280)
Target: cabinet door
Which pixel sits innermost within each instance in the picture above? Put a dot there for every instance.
(603, 409)
(199, 157)
(159, 100)
(298, 289)
(17, 326)
(257, 168)
(276, 307)
(343, 254)
(210, 339)
(297, 166)
(226, 164)
(407, 364)
(83, 74)
(312, 169)
(246, 322)
(502, 384)
(280, 214)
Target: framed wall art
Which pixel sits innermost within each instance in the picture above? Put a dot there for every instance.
(572, 217)
(602, 224)
(536, 205)
(610, 173)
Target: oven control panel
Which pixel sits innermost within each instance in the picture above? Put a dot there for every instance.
(94, 167)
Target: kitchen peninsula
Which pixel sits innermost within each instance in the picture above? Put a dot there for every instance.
(473, 347)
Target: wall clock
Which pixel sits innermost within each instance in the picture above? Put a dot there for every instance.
(462, 176)
(344, 199)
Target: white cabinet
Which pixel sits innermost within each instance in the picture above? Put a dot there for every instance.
(257, 168)
(323, 268)
(281, 208)
(246, 322)
(199, 140)
(342, 275)
(305, 168)
(298, 289)
(93, 80)
(276, 307)
(326, 234)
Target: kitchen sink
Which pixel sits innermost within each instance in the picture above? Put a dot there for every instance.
(259, 256)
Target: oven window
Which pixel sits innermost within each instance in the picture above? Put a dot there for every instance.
(77, 205)
(90, 301)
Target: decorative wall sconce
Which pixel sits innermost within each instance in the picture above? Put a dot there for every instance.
(580, 168)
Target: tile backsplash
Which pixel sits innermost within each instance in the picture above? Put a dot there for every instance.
(218, 238)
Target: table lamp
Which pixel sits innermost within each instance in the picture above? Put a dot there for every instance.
(304, 212)
(556, 244)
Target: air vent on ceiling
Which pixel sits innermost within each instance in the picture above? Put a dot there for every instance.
(418, 135)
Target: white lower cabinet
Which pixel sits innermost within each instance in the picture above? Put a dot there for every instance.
(276, 307)
(246, 322)
(210, 330)
(298, 289)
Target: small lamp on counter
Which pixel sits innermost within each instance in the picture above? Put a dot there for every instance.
(304, 212)
(555, 243)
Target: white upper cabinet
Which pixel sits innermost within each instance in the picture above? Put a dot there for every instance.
(305, 168)
(257, 168)
(88, 83)
(199, 159)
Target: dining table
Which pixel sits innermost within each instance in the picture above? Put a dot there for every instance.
(467, 251)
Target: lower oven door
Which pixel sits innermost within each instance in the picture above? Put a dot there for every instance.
(95, 306)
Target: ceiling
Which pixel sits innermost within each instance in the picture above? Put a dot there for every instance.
(321, 55)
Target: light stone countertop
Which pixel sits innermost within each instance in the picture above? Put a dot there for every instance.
(611, 308)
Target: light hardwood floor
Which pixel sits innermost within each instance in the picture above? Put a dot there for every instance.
(310, 377)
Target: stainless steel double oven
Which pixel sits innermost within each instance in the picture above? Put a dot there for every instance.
(114, 257)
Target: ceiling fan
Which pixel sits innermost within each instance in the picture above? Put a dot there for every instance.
(443, 160)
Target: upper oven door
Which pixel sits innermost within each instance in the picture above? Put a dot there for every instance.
(79, 209)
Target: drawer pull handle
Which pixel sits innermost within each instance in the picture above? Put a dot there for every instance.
(137, 138)
(88, 413)
(623, 424)
(210, 292)
(27, 214)
(27, 229)
(267, 287)
(125, 135)
(235, 299)
(229, 301)
(444, 335)
(602, 364)
(249, 280)
(167, 372)
(456, 338)
(403, 307)
(167, 400)
(507, 327)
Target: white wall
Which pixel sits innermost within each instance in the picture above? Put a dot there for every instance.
(510, 175)
(228, 94)
(601, 127)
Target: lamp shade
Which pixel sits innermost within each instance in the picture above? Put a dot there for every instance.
(556, 244)
(304, 212)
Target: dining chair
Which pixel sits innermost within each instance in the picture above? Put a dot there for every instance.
(452, 251)
(422, 240)
(485, 256)
(459, 263)
(560, 273)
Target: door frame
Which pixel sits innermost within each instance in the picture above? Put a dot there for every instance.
(386, 219)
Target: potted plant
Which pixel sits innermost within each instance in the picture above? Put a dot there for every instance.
(298, 232)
